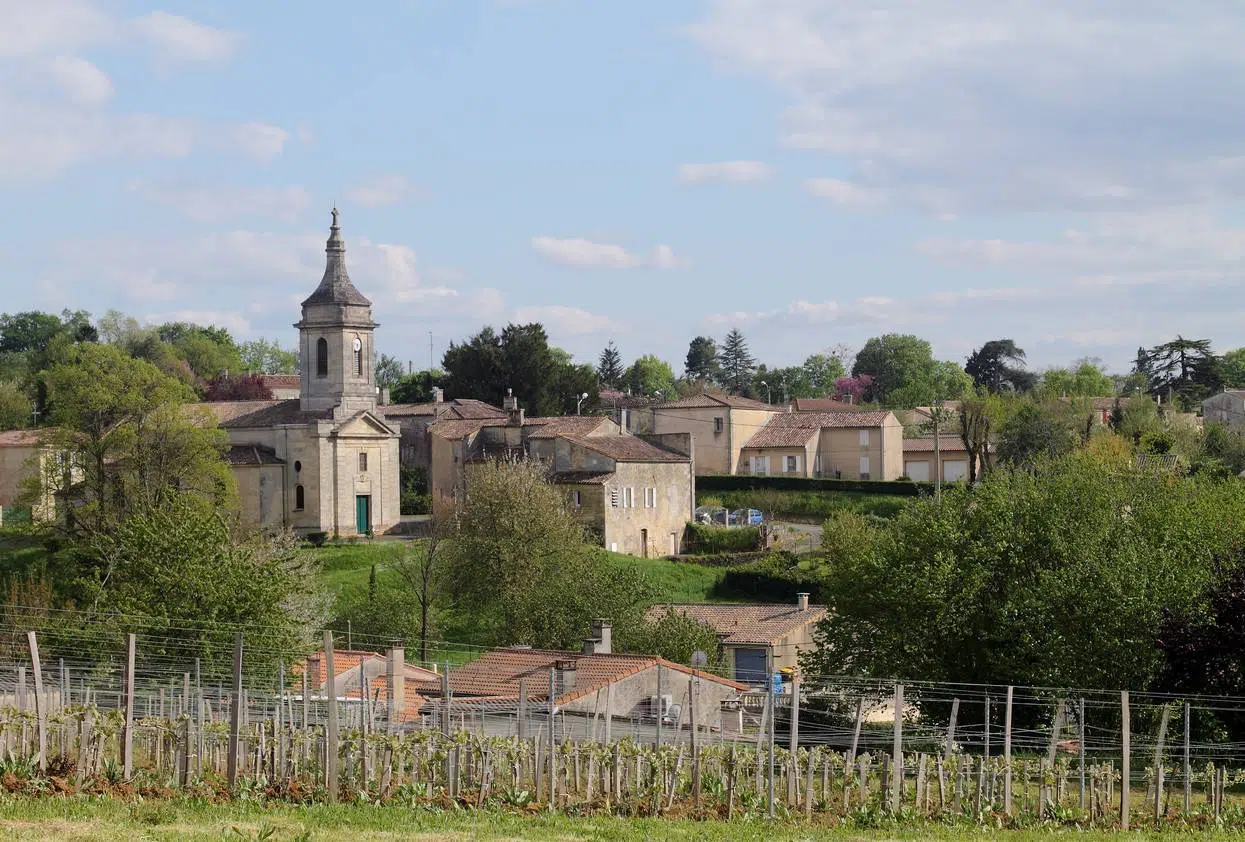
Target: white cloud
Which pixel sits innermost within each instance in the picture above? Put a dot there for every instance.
(973, 105)
(34, 27)
(214, 203)
(260, 141)
(178, 39)
(561, 320)
(381, 191)
(576, 251)
(81, 81)
(845, 193)
(725, 172)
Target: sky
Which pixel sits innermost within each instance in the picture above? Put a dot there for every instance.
(1065, 173)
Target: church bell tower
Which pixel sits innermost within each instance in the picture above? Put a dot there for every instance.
(335, 339)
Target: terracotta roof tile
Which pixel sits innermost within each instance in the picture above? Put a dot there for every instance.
(627, 448)
(823, 405)
(454, 430)
(570, 425)
(925, 444)
(581, 477)
(455, 410)
(252, 454)
(707, 400)
(282, 381)
(795, 429)
(746, 624)
(496, 674)
(20, 438)
(244, 414)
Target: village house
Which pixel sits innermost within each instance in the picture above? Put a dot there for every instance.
(865, 444)
(758, 640)
(1227, 407)
(413, 420)
(326, 461)
(384, 676)
(284, 387)
(24, 455)
(719, 426)
(919, 457)
(589, 687)
(635, 494)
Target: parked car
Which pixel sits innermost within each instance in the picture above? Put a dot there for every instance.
(747, 517)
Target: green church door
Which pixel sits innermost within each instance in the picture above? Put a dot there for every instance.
(363, 513)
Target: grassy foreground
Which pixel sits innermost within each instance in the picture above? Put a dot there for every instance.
(100, 818)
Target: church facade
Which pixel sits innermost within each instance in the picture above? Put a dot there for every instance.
(326, 461)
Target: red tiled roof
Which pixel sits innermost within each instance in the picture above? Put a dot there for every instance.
(794, 429)
(581, 477)
(775, 434)
(627, 448)
(568, 425)
(282, 381)
(496, 674)
(458, 429)
(20, 438)
(707, 401)
(464, 409)
(244, 414)
(823, 405)
(744, 624)
(252, 454)
(946, 444)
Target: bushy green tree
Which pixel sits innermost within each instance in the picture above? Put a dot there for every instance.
(648, 375)
(702, 363)
(1086, 379)
(1037, 431)
(676, 637)
(417, 387)
(998, 366)
(901, 368)
(264, 356)
(389, 371)
(15, 408)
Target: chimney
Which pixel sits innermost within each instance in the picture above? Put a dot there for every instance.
(510, 401)
(384, 397)
(438, 394)
(313, 672)
(565, 675)
(603, 632)
(801, 599)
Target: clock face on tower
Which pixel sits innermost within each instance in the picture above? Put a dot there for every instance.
(358, 344)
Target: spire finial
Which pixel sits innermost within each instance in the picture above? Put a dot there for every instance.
(335, 213)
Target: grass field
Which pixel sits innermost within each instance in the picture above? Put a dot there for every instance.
(109, 819)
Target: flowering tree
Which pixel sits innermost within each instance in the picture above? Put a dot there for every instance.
(852, 389)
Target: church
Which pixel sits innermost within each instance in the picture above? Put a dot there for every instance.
(326, 461)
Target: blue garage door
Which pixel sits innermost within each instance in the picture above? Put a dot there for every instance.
(750, 666)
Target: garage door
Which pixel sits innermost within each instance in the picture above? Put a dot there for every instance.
(955, 471)
(916, 471)
(750, 666)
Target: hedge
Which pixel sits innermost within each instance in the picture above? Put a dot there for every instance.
(724, 482)
(711, 540)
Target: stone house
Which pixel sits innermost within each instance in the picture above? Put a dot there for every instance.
(588, 685)
(1227, 407)
(413, 420)
(635, 493)
(918, 459)
(326, 461)
(718, 424)
(284, 387)
(24, 455)
(758, 640)
(840, 445)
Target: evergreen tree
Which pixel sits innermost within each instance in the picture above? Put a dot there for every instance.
(737, 363)
(702, 360)
(609, 367)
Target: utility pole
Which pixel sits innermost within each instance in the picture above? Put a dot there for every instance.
(430, 350)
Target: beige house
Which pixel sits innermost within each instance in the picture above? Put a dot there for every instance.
(839, 445)
(326, 461)
(635, 493)
(919, 458)
(22, 456)
(284, 387)
(718, 424)
(758, 639)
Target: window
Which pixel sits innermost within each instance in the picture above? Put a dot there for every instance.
(793, 464)
(299, 498)
(322, 357)
(362, 463)
(650, 498)
(577, 499)
(864, 438)
(718, 424)
(760, 465)
(864, 467)
(628, 498)
(298, 466)
(615, 497)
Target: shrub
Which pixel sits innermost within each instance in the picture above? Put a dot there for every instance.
(710, 540)
(776, 578)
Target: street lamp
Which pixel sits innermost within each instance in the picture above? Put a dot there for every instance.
(579, 403)
(767, 392)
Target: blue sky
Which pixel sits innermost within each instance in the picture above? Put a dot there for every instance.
(814, 172)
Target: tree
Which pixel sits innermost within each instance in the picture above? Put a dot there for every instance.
(237, 387)
(417, 387)
(1232, 368)
(999, 365)
(649, 375)
(121, 423)
(389, 371)
(29, 331)
(1182, 370)
(737, 363)
(853, 388)
(702, 362)
(1087, 379)
(897, 362)
(266, 357)
(179, 560)
(1033, 577)
(116, 328)
(15, 408)
(1037, 431)
(609, 367)
(675, 637)
(518, 563)
(209, 351)
(980, 415)
(820, 372)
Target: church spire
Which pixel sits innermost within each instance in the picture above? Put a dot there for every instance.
(335, 287)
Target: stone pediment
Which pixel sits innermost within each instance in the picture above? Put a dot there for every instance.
(363, 424)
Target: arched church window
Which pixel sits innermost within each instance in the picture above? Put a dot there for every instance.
(322, 357)
(299, 498)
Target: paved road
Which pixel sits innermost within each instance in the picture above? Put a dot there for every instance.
(797, 537)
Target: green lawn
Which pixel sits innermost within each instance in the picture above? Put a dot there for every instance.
(348, 566)
(674, 581)
(108, 819)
